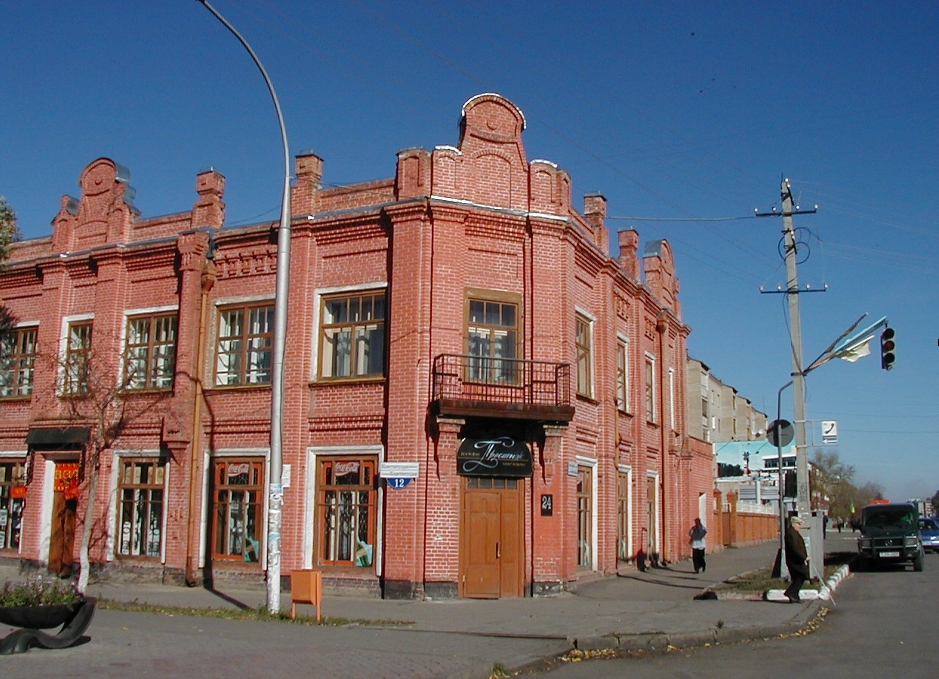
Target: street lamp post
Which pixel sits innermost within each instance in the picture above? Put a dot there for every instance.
(275, 486)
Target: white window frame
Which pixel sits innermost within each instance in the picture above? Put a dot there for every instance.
(671, 398)
(591, 462)
(148, 311)
(119, 457)
(67, 323)
(309, 513)
(649, 369)
(318, 296)
(591, 320)
(628, 470)
(623, 341)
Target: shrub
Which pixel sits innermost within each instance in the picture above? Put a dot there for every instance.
(38, 593)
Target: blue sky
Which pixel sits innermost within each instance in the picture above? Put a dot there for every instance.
(673, 110)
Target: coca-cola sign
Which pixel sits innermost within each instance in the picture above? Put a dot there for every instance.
(494, 456)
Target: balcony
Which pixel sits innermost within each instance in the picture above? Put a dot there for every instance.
(479, 386)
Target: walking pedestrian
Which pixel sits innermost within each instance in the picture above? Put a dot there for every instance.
(796, 559)
(698, 545)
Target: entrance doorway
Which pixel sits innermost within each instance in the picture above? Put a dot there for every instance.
(492, 540)
(652, 516)
(64, 508)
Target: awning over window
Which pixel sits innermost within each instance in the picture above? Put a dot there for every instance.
(58, 437)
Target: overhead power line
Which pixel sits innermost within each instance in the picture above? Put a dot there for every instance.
(682, 219)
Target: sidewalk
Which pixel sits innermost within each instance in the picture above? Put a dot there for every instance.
(635, 610)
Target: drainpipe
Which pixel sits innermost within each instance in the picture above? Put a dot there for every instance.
(196, 473)
(661, 325)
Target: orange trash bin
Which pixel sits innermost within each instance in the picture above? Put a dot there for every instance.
(306, 587)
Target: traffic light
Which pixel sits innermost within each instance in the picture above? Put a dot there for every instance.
(887, 348)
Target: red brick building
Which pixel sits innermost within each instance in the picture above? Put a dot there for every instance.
(461, 325)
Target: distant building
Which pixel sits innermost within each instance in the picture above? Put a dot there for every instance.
(716, 412)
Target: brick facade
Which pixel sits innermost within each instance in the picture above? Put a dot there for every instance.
(477, 223)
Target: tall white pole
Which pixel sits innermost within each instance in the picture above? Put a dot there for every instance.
(275, 486)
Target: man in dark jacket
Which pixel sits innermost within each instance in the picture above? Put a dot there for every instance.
(796, 559)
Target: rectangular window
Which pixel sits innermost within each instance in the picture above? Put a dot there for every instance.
(347, 498)
(140, 513)
(245, 343)
(650, 389)
(353, 336)
(17, 361)
(492, 341)
(77, 358)
(583, 342)
(12, 475)
(238, 500)
(150, 352)
(622, 375)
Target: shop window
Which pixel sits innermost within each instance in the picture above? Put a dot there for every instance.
(347, 510)
(12, 475)
(353, 336)
(140, 519)
(77, 358)
(492, 341)
(237, 500)
(245, 343)
(17, 361)
(150, 352)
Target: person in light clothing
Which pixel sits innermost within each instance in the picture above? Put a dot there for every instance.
(698, 545)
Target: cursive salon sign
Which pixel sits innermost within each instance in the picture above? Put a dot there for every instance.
(494, 456)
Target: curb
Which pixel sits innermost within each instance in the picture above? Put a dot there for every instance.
(662, 640)
(823, 593)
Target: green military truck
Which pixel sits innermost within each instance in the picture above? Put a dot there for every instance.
(890, 535)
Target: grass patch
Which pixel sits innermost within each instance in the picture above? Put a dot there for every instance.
(761, 579)
(260, 614)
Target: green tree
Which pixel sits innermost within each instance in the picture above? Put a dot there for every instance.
(833, 483)
(9, 230)
(9, 234)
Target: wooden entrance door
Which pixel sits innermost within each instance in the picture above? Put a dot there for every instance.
(64, 506)
(492, 545)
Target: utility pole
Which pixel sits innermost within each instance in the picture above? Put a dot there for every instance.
(795, 336)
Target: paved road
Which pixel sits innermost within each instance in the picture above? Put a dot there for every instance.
(146, 645)
(450, 638)
(883, 624)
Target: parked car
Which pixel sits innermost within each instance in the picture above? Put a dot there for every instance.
(929, 530)
(890, 535)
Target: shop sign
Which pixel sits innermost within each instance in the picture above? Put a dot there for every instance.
(494, 456)
(66, 479)
(398, 475)
(238, 469)
(344, 468)
(18, 492)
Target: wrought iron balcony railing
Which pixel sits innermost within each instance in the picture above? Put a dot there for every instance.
(484, 386)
